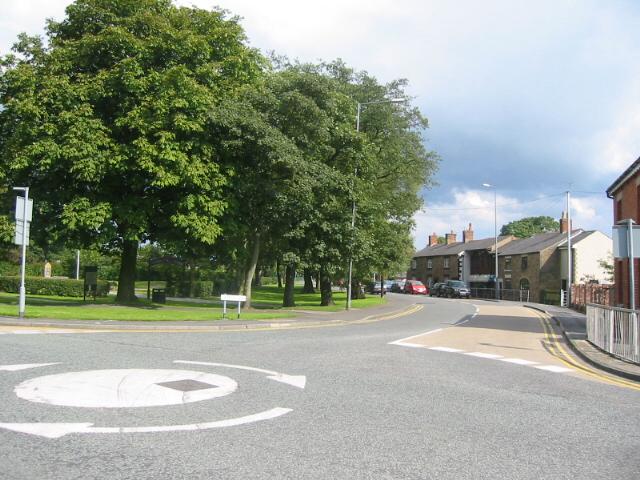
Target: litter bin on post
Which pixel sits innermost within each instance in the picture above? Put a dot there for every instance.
(158, 295)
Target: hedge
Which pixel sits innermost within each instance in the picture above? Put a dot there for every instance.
(63, 287)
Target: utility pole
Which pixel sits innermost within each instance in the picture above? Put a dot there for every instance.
(569, 252)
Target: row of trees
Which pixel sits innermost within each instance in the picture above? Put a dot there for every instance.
(139, 122)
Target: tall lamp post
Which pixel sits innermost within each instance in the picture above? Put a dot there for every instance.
(353, 198)
(495, 230)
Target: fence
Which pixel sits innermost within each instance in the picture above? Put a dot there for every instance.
(504, 294)
(614, 330)
(584, 294)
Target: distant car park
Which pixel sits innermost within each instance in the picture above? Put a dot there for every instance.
(456, 289)
(415, 287)
(436, 289)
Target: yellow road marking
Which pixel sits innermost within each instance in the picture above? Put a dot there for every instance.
(563, 356)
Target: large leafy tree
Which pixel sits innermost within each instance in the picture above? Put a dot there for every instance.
(529, 226)
(109, 124)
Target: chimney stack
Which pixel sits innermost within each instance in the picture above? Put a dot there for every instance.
(433, 240)
(450, 238)
(564, 223)
(467, 235)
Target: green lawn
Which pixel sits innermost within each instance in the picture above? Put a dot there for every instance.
(271, 297)
(267, 304)
(65, 308)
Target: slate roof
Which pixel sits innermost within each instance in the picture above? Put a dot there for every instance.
(628, 173)
(537, 243)
(458, 247)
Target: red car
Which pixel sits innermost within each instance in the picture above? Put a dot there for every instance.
(415, 287)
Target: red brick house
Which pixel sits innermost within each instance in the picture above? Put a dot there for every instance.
(625, 193)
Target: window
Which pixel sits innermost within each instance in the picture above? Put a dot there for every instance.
(446, 262)
(429, 264)
(525, 263)
(414, 264)
(524, 284)
(507, 264)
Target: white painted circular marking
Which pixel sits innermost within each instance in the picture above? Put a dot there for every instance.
(125, 388)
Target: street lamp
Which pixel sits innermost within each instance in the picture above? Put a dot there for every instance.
(495, 230)
(353, 198)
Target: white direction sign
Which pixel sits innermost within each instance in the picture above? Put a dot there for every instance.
(127, 388)
(17, 239)
(20, 209)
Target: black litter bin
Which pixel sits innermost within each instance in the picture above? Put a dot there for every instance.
(158, 295)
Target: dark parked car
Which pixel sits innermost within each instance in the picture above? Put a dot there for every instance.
(436, 289)
(398, 286)
(374, 288)
(415, 287)
(456, 288)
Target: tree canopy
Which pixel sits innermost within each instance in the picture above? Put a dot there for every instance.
(141, 122)
(529, 226)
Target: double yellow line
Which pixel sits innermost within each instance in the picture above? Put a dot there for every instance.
(557, 350)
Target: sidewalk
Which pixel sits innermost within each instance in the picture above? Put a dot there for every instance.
(304, 318)
(573, 326)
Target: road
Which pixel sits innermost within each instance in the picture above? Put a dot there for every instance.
(457, 390)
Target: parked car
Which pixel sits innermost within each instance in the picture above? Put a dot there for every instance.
(436, 289)
(375, 288)
(398, 286)
(415, 287)
(456, 288)
(388, 284)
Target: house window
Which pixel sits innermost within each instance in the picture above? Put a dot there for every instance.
(429, 264)
(525, 263)
(524, 284)
(414, 264)
(507, 264)
(446, 262)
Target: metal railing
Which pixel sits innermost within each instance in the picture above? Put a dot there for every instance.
(615, 330)
(504, 294)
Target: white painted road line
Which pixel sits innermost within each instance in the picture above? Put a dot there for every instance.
(403, 341)
(483, 355)
(446, 349)
(553, 368)
(518, 361)
(25, 366)
(57, 430)
(293, 380)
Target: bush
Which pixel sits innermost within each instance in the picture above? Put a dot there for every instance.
(63, 287)
(198, 288)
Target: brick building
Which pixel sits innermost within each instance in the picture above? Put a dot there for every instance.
(537, 263)
(625, 193)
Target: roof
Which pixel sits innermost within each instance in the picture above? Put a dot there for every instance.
(458, 247)
(622, 179)
(537, 243)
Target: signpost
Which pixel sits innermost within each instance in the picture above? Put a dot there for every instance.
(24, 211)
(626, 241)
(231, 298)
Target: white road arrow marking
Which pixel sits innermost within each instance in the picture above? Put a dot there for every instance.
(57, 430)
(25, 366)
(295, 380)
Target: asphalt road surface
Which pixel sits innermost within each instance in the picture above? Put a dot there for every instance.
(457, 390)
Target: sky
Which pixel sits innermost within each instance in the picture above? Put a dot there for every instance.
(535, 97)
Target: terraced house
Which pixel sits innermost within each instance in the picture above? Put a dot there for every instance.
(537, 264)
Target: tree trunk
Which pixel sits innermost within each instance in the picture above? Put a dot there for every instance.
(356, 290)
(257, 278)
(382, 292)
(127, 278)
(326, 294)
(278, 274)
(289, 279)
(251, 270)
(308, 282)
